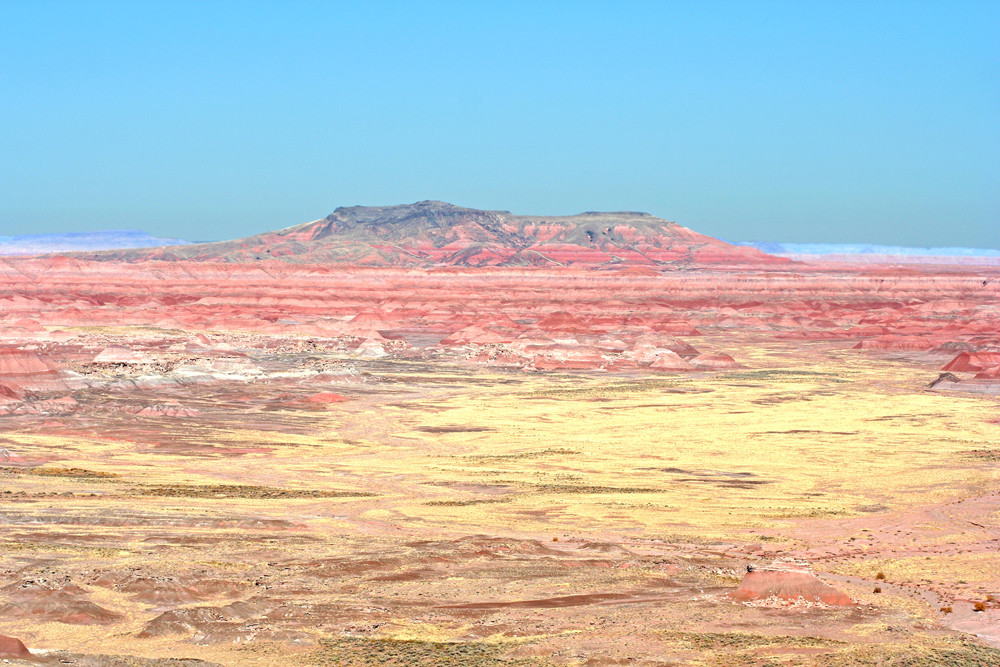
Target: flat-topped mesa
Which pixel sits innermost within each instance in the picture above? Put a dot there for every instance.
(433, 233)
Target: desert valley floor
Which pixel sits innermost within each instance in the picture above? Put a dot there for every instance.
(270, 463)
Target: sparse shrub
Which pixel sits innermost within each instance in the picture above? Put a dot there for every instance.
(946, 610)
(880, 576)
(979, 606)
(878, 589)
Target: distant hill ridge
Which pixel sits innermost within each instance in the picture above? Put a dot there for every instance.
(35, 244)
(434, 233)
(867, 253)
(776, 248)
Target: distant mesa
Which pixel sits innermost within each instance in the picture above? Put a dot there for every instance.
(42, 244)
(437, 234)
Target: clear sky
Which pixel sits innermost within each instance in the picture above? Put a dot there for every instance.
(793, 121)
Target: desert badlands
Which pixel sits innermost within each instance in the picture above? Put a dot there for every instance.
(431, 435)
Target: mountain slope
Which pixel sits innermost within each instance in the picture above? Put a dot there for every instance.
(431, 233)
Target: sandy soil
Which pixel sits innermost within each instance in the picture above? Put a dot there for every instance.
(469, 516)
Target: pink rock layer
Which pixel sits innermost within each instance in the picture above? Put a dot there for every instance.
(616, 318)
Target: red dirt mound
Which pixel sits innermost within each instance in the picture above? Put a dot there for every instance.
(651, 345)
(989, 374)
(787, 584)
(670, 361)
(13, 649)
(9, 393)
(14, 361)
(716, 361)
(118, 354)
(892, 342)
(45, 601)
(560, 320)
(170, 590)
(973, 362)
(23, 370)
(326, 397)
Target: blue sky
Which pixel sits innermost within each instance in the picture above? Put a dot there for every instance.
(795, 121)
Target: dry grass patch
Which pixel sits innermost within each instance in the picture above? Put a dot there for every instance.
(68, 473)
(242, 491)
(364, 651)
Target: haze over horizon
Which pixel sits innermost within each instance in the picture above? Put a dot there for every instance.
(824, 123)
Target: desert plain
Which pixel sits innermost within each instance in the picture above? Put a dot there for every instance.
(433, 442)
